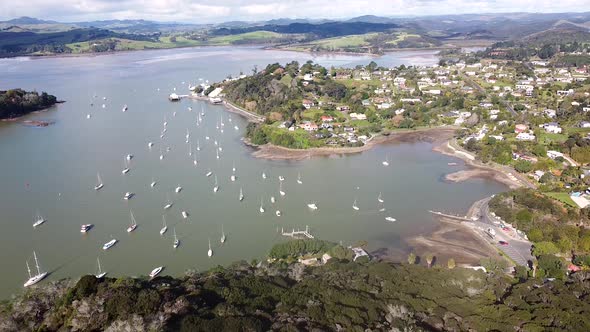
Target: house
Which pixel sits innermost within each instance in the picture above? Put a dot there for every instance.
(538, 174)
(525, 137)
(343, 108)
(384, 106)
(550, 113)
(552, 127)
(309, 126)
(520, 128)
(564, 93)
(326, 118)
(584, 124)
(358, 116)
(400, 111)
(554, 154)
(308, 103)
(308, 77)
(366, 102)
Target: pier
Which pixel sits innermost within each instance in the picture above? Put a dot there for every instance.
(450, 216)
(298, 233)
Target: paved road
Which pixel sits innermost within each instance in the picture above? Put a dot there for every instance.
(518, 249)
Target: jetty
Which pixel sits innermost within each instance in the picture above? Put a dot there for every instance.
(450, 216)
(298, 233)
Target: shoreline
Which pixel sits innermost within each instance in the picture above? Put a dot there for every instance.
(274, 152)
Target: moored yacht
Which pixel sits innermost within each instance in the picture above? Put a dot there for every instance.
(156, 271)
(33, 279)
(312, 206)
(184, 214)
(100, 274)
(164, 226)
(128, 195)
(133, 225)
(209, 252)
(99, 183)
(85, 228)
(390, 219)
(109, 244)
(39, 220)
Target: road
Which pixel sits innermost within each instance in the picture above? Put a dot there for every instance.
(518, 249)
(474, 84)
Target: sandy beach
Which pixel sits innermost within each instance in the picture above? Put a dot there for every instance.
(453, 239)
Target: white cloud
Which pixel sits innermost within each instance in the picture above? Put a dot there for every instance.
(224, 10)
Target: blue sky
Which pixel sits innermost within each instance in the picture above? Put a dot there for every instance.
(198, 11)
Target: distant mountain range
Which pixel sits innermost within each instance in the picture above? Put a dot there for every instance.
(25, 35)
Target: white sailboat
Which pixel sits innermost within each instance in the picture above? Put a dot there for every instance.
(176, 241)
(128, 195)
(99, 183)
(100, 274)
(178, 189)
(133, 224)
(39, 220)
(281, 189)
(195, 162)
(233, 168)
(126, 168)
(272, 199)
(198, 146)
(354, 206)
(109, 244)
(153, 184)
(168, 204)
(379, 198)
(208, 174)
(33, 279)
(241, 198)
(184, 214)
(261, 209)
(209, 252)
(281, 178)
(216, 187)
(386, 161)
(390, 219)
(299, 178)
(188, 134)
(312, 206)
(278, 213)
(217, 154)
(150, 144)
(164, 226)
(156, 271)
(161, 154)
(190, 149)
(222, 240)
(129, 157)
(263, 175)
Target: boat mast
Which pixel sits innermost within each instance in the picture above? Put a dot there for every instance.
(29, 269)
(37, 263)
(99, 268)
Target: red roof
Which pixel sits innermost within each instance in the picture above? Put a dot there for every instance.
(573, 268)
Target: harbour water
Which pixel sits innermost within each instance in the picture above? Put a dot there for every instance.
(52, 171)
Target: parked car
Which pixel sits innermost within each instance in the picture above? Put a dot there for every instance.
(504, 243)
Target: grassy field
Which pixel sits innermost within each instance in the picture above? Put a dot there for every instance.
(344, 42)
(401, 37)
(547, 138)
(249, 36)
(562, 197)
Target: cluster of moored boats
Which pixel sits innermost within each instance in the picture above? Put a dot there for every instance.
(193, 152)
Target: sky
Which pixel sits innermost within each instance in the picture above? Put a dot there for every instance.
(198, 11)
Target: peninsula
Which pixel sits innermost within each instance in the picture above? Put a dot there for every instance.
(17, 102)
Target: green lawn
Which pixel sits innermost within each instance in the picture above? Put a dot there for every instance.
(401, 37)
(249, 36)
(547, 138)
(562, 197)
(344, 42)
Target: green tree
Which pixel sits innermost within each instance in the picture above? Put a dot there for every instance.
(523, 166)
(545, 248)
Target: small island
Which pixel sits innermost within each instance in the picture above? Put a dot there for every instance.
(18, 102)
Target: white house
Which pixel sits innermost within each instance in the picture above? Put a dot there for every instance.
(552, 127)
(554, 154)
(525, 137)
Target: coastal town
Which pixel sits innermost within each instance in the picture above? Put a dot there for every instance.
(527, 120)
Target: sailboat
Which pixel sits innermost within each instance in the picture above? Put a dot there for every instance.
(33, 279)
(169, 204)
(210, 252)
(379, 199)
(261, 207)
(354, 206)
(217, 154)
(156, 271)
(390, 219)
(281, 189)
(222, 240)
(233, 177)
(241, 198)
(195, 162)
(129, 157)
(99, 183)
(100, 274)
(281, 178)
(126, 169)
(216, 187)
(312, 206)
(178, 189)
(128, 195)
(208, 174)
(190, 149)
(278, 213)
(299, 178)
(109, 244)
(233, 168)
(188, 134)
(386, 161)
(161, 154)
(184, 214)
(263, 175)
(133, 225)
(153, 184)
(164, 226)
(198, 146)
(39, 220)
(272, 199)
(176, 241)
(150, 144)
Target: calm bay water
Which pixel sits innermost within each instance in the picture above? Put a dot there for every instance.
(53, 170)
